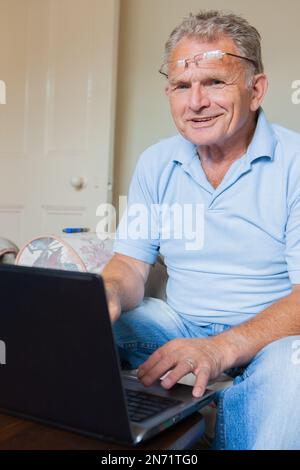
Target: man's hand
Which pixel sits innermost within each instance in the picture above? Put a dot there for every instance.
(113, 303)
(124, 279)
(203, 357)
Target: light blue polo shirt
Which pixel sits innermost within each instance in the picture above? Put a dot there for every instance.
(248, 253)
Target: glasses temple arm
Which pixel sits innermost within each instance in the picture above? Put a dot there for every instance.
(241, 57)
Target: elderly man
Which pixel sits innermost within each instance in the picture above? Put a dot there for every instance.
(233, 302)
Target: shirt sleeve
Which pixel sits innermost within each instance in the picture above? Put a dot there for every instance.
(138, 231)
(293, 241)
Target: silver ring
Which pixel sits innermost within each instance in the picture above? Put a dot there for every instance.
(191, 363)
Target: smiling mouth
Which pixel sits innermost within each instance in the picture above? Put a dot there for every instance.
(204, 119)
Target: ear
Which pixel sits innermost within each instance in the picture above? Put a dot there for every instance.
(258, 90)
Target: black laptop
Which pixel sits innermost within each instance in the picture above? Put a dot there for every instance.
(59, 362)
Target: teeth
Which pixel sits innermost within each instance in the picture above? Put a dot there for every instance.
(203, 119)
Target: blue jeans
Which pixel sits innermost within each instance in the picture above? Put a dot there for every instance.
(259, 411)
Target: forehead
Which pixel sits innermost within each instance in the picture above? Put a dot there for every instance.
(188, 47)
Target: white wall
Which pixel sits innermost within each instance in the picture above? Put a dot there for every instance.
(142, 110)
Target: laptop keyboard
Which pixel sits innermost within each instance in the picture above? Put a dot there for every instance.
(143, 405)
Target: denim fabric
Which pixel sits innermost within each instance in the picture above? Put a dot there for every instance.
(260, 410)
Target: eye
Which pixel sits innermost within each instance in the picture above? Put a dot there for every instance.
(181, 86)
(217, 83)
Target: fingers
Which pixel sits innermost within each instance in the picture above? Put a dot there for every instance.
(202, 378)
(114, 306)
(165, 360)
(114, 311)
(160, 362)
(155, 367)
(178, 358)
(183, 368)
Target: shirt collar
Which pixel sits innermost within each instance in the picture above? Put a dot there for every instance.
(264, 140)
(262, 144)
(185, 152)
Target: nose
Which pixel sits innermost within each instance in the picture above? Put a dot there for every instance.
(199, 97)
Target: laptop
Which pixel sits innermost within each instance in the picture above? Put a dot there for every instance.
(59, 362)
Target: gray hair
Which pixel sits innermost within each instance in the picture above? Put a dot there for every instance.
(210, 25)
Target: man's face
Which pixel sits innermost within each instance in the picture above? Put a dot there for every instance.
(210, 102)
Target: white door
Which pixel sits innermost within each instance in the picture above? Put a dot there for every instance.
(58, 61)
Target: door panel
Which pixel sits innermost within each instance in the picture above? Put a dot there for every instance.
(59, 66)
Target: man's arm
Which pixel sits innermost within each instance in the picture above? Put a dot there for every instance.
(124, 278)
(277, 321)
(209, 357)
